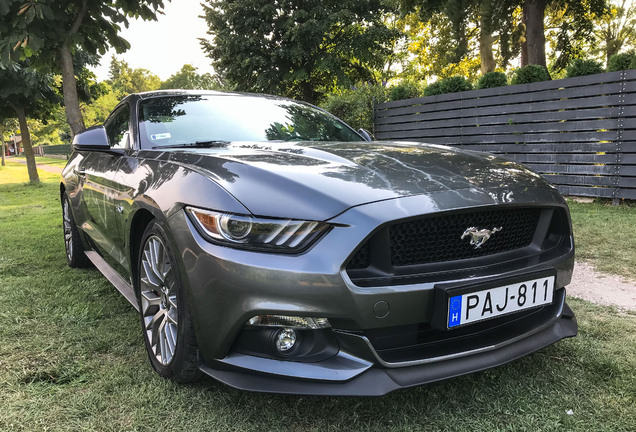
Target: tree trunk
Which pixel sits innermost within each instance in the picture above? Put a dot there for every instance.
(534, 11)
(2, 139)
(524, 39)
(485, 46)
(308, 92)
(26, 144)
(69, 89)
(612, 46)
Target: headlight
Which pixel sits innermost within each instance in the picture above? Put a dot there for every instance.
(283, 235)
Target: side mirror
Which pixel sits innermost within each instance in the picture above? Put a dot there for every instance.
(368, 136)
(93, 138)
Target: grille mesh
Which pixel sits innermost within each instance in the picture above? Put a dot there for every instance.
(438, 238)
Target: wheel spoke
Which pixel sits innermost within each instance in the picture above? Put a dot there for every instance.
(149, 299)
(171, 338)
(163, 349)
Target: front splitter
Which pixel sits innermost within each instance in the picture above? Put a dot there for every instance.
(376, 381)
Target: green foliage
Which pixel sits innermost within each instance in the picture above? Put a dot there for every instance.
(632, 65)
(621, 61)
(125, 80)
(614, 30)
(24, 87)
(492, 80)
(455, 84)
(188, 78)
(433, 89)
(431, 48)
(570, 29)
(580, 67)
(451, 84)
(97, 111)
(442, 33)
(297, 48)
(39, 29)
(529, 74)
(58, 35)
(355, 106)
(405, 90)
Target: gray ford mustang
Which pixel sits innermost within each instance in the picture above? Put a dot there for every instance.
(270, 246)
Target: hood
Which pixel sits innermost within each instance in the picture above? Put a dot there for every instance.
(317, 181)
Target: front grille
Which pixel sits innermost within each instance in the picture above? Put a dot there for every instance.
(438, 238)
(361, 259)
(431, 248)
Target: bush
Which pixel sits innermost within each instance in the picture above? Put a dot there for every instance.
(632, 65)
(455, 84)
(492, 80)
(355, 106)
(580, 67)
(452, 84)
(405, 90)
(529, 74)
(433, 89)
(621, 61)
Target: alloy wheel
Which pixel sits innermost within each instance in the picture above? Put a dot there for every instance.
(68, 229)
(159, 300)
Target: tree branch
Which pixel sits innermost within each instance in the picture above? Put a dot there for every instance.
(80, 17)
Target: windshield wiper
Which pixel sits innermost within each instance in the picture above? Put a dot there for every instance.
(196, 144)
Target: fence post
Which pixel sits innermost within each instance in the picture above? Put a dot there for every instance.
(618, 147)
(373, 108)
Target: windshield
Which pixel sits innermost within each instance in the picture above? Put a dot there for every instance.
(188, 119)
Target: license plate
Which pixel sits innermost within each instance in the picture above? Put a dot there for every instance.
(493, 302)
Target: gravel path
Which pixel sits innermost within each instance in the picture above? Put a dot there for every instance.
(48, 168)
(602, 288)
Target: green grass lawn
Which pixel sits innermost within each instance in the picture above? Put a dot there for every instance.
(72, 357)
(604, 236)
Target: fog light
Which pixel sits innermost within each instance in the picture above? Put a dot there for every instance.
(286, 340)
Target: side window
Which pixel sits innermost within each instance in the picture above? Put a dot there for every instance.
(117, 128)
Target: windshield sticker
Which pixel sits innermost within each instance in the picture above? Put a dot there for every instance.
(160, 136)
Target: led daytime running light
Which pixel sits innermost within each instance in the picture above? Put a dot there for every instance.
(293, 322)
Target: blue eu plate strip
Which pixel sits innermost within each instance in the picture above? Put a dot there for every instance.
(454, 311)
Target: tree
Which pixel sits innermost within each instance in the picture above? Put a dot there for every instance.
(616, 29)
(297, 48)
(488, 21)
(52, 32)
(431, 48)
(125, 80)
(188, 78)
(3, 128)
(28, 93)
(577, 25)
(98, 110)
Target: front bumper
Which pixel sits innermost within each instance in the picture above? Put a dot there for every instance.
(228, 286)
(377, 381)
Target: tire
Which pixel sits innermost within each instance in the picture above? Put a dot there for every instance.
(164, 309)
(75, 256)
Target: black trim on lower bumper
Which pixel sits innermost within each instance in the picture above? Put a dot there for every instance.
(380, 381)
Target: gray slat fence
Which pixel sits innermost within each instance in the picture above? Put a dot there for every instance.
(579, 133)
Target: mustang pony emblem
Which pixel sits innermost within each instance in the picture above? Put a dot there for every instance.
(479, 236)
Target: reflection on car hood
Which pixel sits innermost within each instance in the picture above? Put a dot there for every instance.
(319, 180)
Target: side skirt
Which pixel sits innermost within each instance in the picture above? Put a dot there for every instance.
(114, 278)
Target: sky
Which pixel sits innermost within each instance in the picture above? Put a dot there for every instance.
(165, 45)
